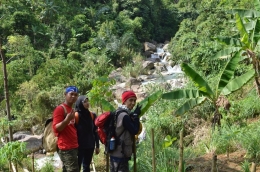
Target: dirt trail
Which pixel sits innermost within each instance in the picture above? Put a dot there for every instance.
(224, 164)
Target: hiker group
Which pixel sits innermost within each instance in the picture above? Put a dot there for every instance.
(78, 138)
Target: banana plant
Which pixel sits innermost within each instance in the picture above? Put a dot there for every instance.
(246, 42)
(227, 84)
(145, 103)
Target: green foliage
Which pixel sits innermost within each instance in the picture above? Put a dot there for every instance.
(116, 47)
(168, 141)
(4, 126)
(60, 32)
(75, 55)
(246, 166)
(135, 68)
(75, 42)
(246, 107)
(204, 91)
(159, 118)
(49, 11)
(249, 140)
(55, 72)
(13, 151)
(81, 30)
(48, 167)
(100, 92)
(149, 101)
(224, 140)
(93, 66)
(246, 44)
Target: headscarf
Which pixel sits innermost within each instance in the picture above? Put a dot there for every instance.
(79, 107)
(84, 114)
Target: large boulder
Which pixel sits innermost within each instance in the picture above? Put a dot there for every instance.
(117, 75)
(148, 65)
(149, 47)
(33, 142)
(132, 81)
(117, 93)
(21, 135)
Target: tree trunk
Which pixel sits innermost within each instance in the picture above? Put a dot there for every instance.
(257, 85)
(228, 152)
(33, 162)
(6, 96)
(256, 65)
(6, 92)
(214, 163)
(181, 152)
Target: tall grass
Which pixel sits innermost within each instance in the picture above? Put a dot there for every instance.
(159, 117)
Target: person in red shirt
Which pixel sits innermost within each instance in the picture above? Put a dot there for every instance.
(64, 128)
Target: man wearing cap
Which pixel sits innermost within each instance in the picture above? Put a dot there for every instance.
(64, 128)
(127, 126)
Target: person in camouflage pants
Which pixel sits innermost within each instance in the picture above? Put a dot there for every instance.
(64, 128)
(68, 156)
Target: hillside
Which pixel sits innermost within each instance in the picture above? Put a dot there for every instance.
(48, 45)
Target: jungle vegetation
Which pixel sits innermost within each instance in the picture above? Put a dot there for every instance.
(49, 44)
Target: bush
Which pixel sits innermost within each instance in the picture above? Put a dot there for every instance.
(48, 167)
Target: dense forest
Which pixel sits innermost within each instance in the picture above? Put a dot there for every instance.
(50, 44)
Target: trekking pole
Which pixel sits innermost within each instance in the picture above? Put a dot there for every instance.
(93, 165)
(153, 152)
(134, 150)
(107, 162)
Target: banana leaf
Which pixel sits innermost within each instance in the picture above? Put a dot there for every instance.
(246, 13)
(238, 82)
(179, 94)
(106, 105)
(191, 103)
(148, 101)
(232, 41)
(228, 71)
(256, 36)
(249, 26)
(257, 5)
(226, 53)
(242, 30)
(199, 82)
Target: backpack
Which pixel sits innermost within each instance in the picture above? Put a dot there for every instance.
(49, 139)
(106, 123)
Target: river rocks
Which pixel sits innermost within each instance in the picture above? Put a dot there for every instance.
(149, 47)
(157, 70)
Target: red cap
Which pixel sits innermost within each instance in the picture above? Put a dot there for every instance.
(127, 94)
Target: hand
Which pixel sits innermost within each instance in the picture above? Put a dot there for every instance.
(70, 116)
(137, 110)
(97, 150)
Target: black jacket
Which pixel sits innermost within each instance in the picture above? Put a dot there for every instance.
(86, 129)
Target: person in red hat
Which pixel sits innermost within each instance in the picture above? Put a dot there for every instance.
(127, 127)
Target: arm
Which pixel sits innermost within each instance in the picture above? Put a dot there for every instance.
(132, 125)
(59, 119)
(95, 131)
(97, 150)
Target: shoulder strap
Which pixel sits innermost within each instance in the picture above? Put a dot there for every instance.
(65, 110)
(76, 117)
(92, 115)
